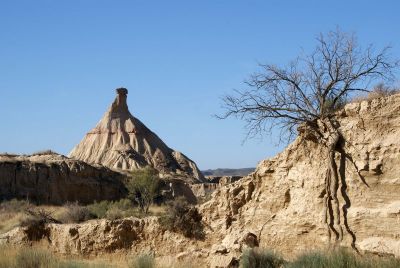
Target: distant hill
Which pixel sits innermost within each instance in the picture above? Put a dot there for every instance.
(228, 172)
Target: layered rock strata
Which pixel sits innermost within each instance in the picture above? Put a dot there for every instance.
(121, 141)
(55, 179)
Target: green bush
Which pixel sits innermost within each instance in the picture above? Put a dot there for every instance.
(99, 209)
(112, 210)
(142, 261)
(143, 187)
(259, 258)
(122, 204)
(34, 258)
(183, 218)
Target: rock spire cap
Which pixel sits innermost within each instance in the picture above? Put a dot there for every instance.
(119, 106)
(122, 91)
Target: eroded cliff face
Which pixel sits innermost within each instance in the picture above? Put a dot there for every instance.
(122, 142)
(55, 179)
(281, 202)
(279, 206)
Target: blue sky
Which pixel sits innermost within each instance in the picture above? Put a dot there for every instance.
(60, 62)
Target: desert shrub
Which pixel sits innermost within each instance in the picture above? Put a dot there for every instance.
(122, 204)
(183, 218)
(142, 261)
(15, 205)
(37, 216)
(35, 258)
(99, 209)
(260, 258)
(143, 187)
(35, 221)
(75, 213)
(112, 210)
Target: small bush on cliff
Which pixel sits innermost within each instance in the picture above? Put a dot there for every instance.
(183, 218)
(143, 187)
(75, 213)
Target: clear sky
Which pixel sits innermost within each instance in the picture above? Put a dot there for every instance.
(60, 62)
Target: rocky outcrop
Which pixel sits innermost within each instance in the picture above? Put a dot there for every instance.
(204, 190)
(130, 235)
(121, 141)
(282, 201)
(55, 179)
(279, 206)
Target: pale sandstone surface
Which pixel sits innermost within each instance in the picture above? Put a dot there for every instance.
(280, 205)
(121, 141)
(281, 202)
(55, 179)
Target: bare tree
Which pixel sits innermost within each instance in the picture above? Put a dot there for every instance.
(306, 93)
(311, 87)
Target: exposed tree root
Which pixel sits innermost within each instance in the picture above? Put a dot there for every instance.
(332, 209)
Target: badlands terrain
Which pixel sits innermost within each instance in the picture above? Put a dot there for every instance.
(278, 206)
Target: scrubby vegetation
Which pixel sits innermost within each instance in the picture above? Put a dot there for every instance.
(143, 187)
(75, 213)
(183, 218)
(14, 213)
(22, 212)
(341, 258)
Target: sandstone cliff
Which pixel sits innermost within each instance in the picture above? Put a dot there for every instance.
(281, 202)
(55, 179)
(121, 141)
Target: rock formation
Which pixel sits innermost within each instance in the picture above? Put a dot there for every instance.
(282, 201)
(55, 179)
(279, 206)
(120, 141)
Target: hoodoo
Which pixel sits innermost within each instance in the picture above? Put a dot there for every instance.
(122, 142)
